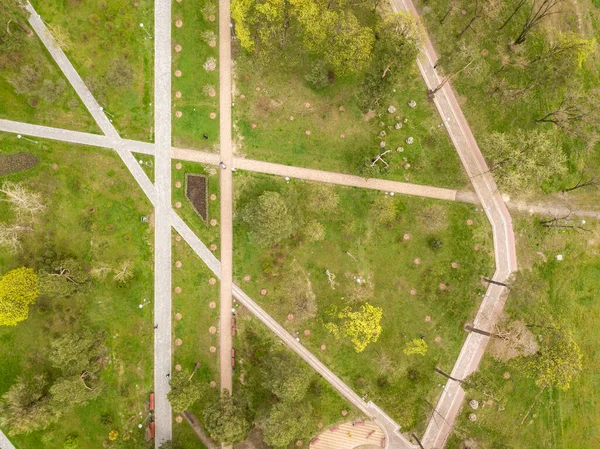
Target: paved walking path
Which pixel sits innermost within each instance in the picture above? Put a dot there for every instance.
(4, 442)
(162, 221)
(226, 197)
(450, 401)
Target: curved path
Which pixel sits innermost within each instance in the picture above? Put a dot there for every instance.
(473, 349)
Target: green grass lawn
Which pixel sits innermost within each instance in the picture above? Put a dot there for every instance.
(113, 55)
(357, 246)
(195, 103)
(34, 90)
(193, 303)
(207, 232)
(559, 419)
(265, 131)
(88, 217)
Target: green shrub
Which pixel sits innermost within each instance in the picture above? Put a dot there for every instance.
(318, 77)
(71, 442)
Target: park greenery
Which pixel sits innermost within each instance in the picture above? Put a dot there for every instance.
(75, 345)
(541, 365)
(334, 86)
(527, 72)
(371, 287)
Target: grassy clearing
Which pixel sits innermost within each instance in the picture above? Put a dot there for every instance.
(266, 132)
(34, 90)
(112, 53)
(208, 233)
(559, 418)
(193, 329)
(357, 246)
(88, 218)
(195, 103)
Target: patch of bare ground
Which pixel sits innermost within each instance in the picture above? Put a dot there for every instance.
(196, 192)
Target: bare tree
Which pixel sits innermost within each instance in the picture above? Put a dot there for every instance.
(540, 9)
(447, 78)
(583, 182)
(563, 222)
(475, 16)
(9, 236)
(574, 113)
(26, 204)
(515, 11)
(123, 272)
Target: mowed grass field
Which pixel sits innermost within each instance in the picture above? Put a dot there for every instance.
(113, 54)
(558, 419)
(357, 246)
(278, 109)
(194, 329)
(194, 103)
(93, 214)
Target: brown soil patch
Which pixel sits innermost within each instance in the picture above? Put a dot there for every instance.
(178, 114)
(178, 316)
(179, 419)
(413, 292)
(16, 162)
(406, 236)
(369, 115)
(290, 317)
(323, 347)
(454, 265)
(506, 375)
(308, 133)
(213, 247)
(307, 105)
(177, 290)
(213, 349)
(443, 286)
(307, 332)
(212, 330)
(344, 412)
(178, 342)
(291, 118)
(470, 222)
(213, 222)
(213, 115)
(178, 48)
(179, 24)
(178, 238)
(212, 304)
(477, 247)
(263, 292)
(438, 339)
(178, 185)
(212, 281)
(178, 367)
(178, 165)
(417, 261)
(247, 278)
(178, 204)
(55, 166)
(427, 319)
(178, 94)
(178, 73)
(213, 384)
(196, 191)
(212, 17)
(213, 197)
(178, 264)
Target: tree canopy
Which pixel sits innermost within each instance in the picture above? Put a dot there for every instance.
(287, 376)
(184, 392)
(225, 420)
(361, 327)
(18, 289)
(523, 160)
(270, 219)
(76, 352)
(287, 422)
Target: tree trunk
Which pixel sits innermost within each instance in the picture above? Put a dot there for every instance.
(521, 3)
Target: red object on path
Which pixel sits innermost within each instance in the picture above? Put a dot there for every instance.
(358, 423)
(370, 433)
(232, 362)
(314, 441)
(152, 429)
(383, 442)
(334, 428)
(151, 402)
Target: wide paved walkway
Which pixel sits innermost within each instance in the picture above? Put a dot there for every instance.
(347, 436)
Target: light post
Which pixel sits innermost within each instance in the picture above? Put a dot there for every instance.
(145, 30)
(106, 112)
(19, 136)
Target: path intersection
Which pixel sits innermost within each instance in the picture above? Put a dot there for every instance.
(166, 219)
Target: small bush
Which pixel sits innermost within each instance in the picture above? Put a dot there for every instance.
(317, 78)
(120, 73)
(71, 442)
(435, 244)
(106, 419)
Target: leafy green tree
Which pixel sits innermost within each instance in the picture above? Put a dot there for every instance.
(12, 25)
(225, 420)
(63, 278)
(416, 346)
(314, 231)
(184, 392)
(523, 160)
(77, 352)
(287, 422)
(287, 376)
(25, 407)
(401, 37)
(558, 361)
(72, 391)
(361, 327)
(261, 25)
(322, 198)
(18, 289)
(269, 218)
(384, 209)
